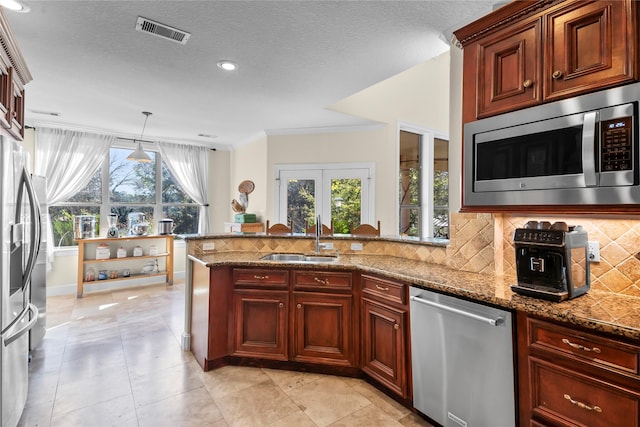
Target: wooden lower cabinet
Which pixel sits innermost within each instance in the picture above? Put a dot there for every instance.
(384, 345)
(261, 323)
(322, 328)
(385, 352)
(573, 377)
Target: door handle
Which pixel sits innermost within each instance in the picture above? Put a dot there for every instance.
(493, 322)
(24, 329)
(588, 146)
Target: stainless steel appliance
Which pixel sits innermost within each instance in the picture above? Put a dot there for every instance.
(20, 219)
(582, 150)
(38, 287)
(165, 226)
(137, 223)
(84, 226)
(462, 361)
(551, 260)
(112, 222)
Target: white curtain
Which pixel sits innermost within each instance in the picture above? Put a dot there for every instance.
(190, 167)
(68, 159)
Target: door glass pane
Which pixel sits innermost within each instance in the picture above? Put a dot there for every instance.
(441, 189)
(301, 201)
(346, 203)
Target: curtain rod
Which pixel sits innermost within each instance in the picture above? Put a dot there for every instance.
(149, 142)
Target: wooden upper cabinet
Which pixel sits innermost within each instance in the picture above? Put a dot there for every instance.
(590, 45)
(14, 75)
(509, 71)
(531, 52)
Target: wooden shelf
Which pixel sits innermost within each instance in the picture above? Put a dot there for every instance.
(133, 276)
(159, 255)
(128, 242)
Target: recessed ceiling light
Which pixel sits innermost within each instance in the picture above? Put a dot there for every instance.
(14, 5)
(227, 65)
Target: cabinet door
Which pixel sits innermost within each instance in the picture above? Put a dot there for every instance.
(509, 69)
(261, 324)
(589, 46)
(384, 349)
(322, 328)
(565, 398)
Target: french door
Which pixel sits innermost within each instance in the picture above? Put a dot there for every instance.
(341, 195)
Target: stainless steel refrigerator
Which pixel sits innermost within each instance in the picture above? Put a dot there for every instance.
(39, 275)
(20, 239)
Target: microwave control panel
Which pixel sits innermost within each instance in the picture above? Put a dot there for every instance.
(616, 153)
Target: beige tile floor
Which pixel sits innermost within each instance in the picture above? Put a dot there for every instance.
(114, 359)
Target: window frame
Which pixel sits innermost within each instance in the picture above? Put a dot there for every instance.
(323, 173)
(426, 205)
(105, 205)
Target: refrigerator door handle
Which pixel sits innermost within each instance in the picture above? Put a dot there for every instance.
(34, 212)
(24, 329)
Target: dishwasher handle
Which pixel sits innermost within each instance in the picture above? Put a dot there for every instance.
(491, 321)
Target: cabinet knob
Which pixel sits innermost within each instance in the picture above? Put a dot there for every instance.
(527, 83)
(396, 326)
(299, 306)
(556, 74)
(281, 305)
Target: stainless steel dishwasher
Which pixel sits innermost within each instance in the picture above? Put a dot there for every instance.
(462, 360)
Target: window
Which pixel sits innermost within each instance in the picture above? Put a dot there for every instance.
(148, 188)
(423, 185)
(340, 193)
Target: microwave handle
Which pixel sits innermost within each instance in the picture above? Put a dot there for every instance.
(588, 148)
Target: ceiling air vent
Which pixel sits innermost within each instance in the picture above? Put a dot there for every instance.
(148, 26)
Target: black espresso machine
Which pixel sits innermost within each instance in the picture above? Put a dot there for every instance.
(552, 260)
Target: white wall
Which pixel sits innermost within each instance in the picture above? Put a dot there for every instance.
(419, 96)
(455, 131)
(337, 147)
(248, 162)
(218, 191)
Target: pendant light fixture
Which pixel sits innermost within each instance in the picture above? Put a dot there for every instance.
(139, 155)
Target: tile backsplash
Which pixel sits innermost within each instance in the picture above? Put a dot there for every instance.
(619, 268)
(482, 243)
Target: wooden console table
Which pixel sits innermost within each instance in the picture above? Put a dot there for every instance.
(87, 259)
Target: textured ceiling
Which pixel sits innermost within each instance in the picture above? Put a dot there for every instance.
(296, 58)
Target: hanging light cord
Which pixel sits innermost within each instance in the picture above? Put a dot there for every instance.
(147, 114)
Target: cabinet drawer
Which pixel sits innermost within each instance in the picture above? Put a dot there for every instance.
(564, 397)
(260, 277)
(591, 348)
(321, 280)
(389, 291)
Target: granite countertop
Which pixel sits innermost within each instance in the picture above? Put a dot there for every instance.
(602, 311)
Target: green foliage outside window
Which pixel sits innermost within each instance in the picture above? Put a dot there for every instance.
(132, 188)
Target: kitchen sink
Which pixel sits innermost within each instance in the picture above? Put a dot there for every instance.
(299, 258)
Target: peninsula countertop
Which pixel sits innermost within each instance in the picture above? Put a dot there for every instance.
(597, 310)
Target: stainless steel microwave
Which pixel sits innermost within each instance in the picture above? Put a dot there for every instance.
(582, 150)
